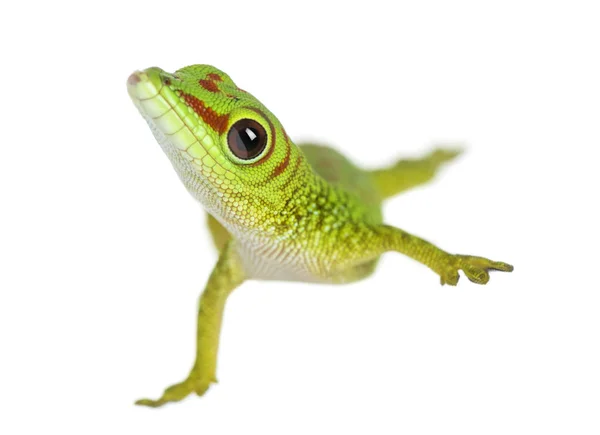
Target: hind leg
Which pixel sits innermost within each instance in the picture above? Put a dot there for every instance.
(409, 173)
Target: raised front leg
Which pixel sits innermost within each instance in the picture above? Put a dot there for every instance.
(385, 238)
(409, 173)
(225, 277)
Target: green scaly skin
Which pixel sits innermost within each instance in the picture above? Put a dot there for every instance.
(302, 213)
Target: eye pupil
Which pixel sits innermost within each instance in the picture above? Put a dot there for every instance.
(247, 139)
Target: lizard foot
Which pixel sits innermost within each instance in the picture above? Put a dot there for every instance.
(475, 268)
(177, 392)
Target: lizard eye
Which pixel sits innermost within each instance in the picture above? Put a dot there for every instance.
(247, 139)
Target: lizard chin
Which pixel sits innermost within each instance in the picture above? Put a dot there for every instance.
(184, 146)
(193, 147)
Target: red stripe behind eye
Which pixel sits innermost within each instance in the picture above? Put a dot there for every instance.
(293, 174)
(286, 161)
(216, 121)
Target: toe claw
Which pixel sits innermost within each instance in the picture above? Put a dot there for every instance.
(149, 403)
(504, 267)
(478, 276)
(477, 268)
(177, 392)
(450, 278)
(442, 155)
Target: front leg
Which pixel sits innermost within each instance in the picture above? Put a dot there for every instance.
(385, 238)
(225, 277)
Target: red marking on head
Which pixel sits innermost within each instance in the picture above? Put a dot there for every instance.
(294, 173)
(216, 121)
(215, 77)
(209, 85)
(286, 160)
(298, 162)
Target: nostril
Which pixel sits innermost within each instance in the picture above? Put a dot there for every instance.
(134, 79)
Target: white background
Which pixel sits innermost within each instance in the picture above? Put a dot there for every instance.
(103, 253)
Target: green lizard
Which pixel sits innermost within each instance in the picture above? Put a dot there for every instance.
(276, 211)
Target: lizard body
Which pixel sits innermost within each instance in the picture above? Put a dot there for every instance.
(276, 210)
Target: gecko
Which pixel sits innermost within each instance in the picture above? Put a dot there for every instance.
(277, 210)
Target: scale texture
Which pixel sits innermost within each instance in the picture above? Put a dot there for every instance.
(276, 210)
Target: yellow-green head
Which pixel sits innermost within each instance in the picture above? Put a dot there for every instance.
(231, 153)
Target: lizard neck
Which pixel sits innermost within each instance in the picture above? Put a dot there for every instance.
(268, 211)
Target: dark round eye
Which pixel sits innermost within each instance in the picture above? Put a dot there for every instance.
(247, 139)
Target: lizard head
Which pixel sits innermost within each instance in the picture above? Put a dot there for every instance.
(230, 152)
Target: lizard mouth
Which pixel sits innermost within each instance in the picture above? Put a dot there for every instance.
(183, 135)
(152, 91)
